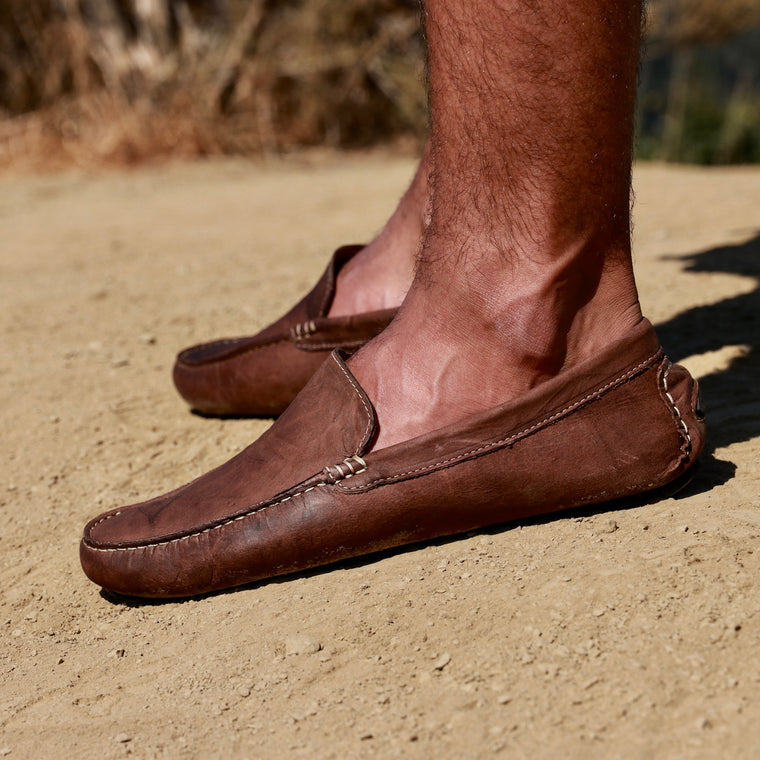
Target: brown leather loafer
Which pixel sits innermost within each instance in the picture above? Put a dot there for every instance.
(261, 374)
(310, 491)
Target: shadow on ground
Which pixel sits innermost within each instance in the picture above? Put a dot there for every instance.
(729, 395)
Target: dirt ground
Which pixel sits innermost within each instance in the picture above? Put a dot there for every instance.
(632, 633)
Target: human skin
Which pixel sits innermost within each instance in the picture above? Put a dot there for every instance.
(378, 277)
(525, 267)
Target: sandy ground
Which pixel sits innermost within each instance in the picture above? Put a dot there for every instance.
(610, 634)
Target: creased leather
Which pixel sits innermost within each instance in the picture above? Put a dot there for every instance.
(623, 423)
(284, 456)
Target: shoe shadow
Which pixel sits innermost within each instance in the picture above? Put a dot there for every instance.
(729, 395)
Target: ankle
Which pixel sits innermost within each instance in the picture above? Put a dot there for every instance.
(378, 277)
(540, 318)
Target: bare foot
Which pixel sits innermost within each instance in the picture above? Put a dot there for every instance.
(378, 277)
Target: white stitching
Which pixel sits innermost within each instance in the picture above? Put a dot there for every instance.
(252, 511)
(355, 459)
(350, 462)
(679, 419)
(305, 344)
(513, 437)
(302, 330)
(359, 394)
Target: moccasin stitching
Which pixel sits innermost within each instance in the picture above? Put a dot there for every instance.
(306, 341)
(594, 394)
(304, 335)
(361, 398)
(261, 506)
(302, 330)
(683, 428)
(251, 511)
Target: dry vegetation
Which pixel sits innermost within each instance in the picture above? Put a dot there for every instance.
(93, 81)
(127, 80)
(684, 22)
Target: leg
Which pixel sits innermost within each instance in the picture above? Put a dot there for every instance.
(526, 266)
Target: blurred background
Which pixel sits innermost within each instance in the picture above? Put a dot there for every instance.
(123, 81)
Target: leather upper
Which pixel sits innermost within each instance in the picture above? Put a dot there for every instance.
(261, 374)
(311, 490)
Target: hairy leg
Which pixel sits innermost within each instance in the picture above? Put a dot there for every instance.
(526, 264)
(379, 276)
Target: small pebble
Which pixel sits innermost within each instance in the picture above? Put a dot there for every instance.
(300, 644)
(244, 691)
(608, 526)
(442, 661)
(504, 699)
(123, 738)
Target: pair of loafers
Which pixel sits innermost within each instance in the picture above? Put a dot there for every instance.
(311, 490)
